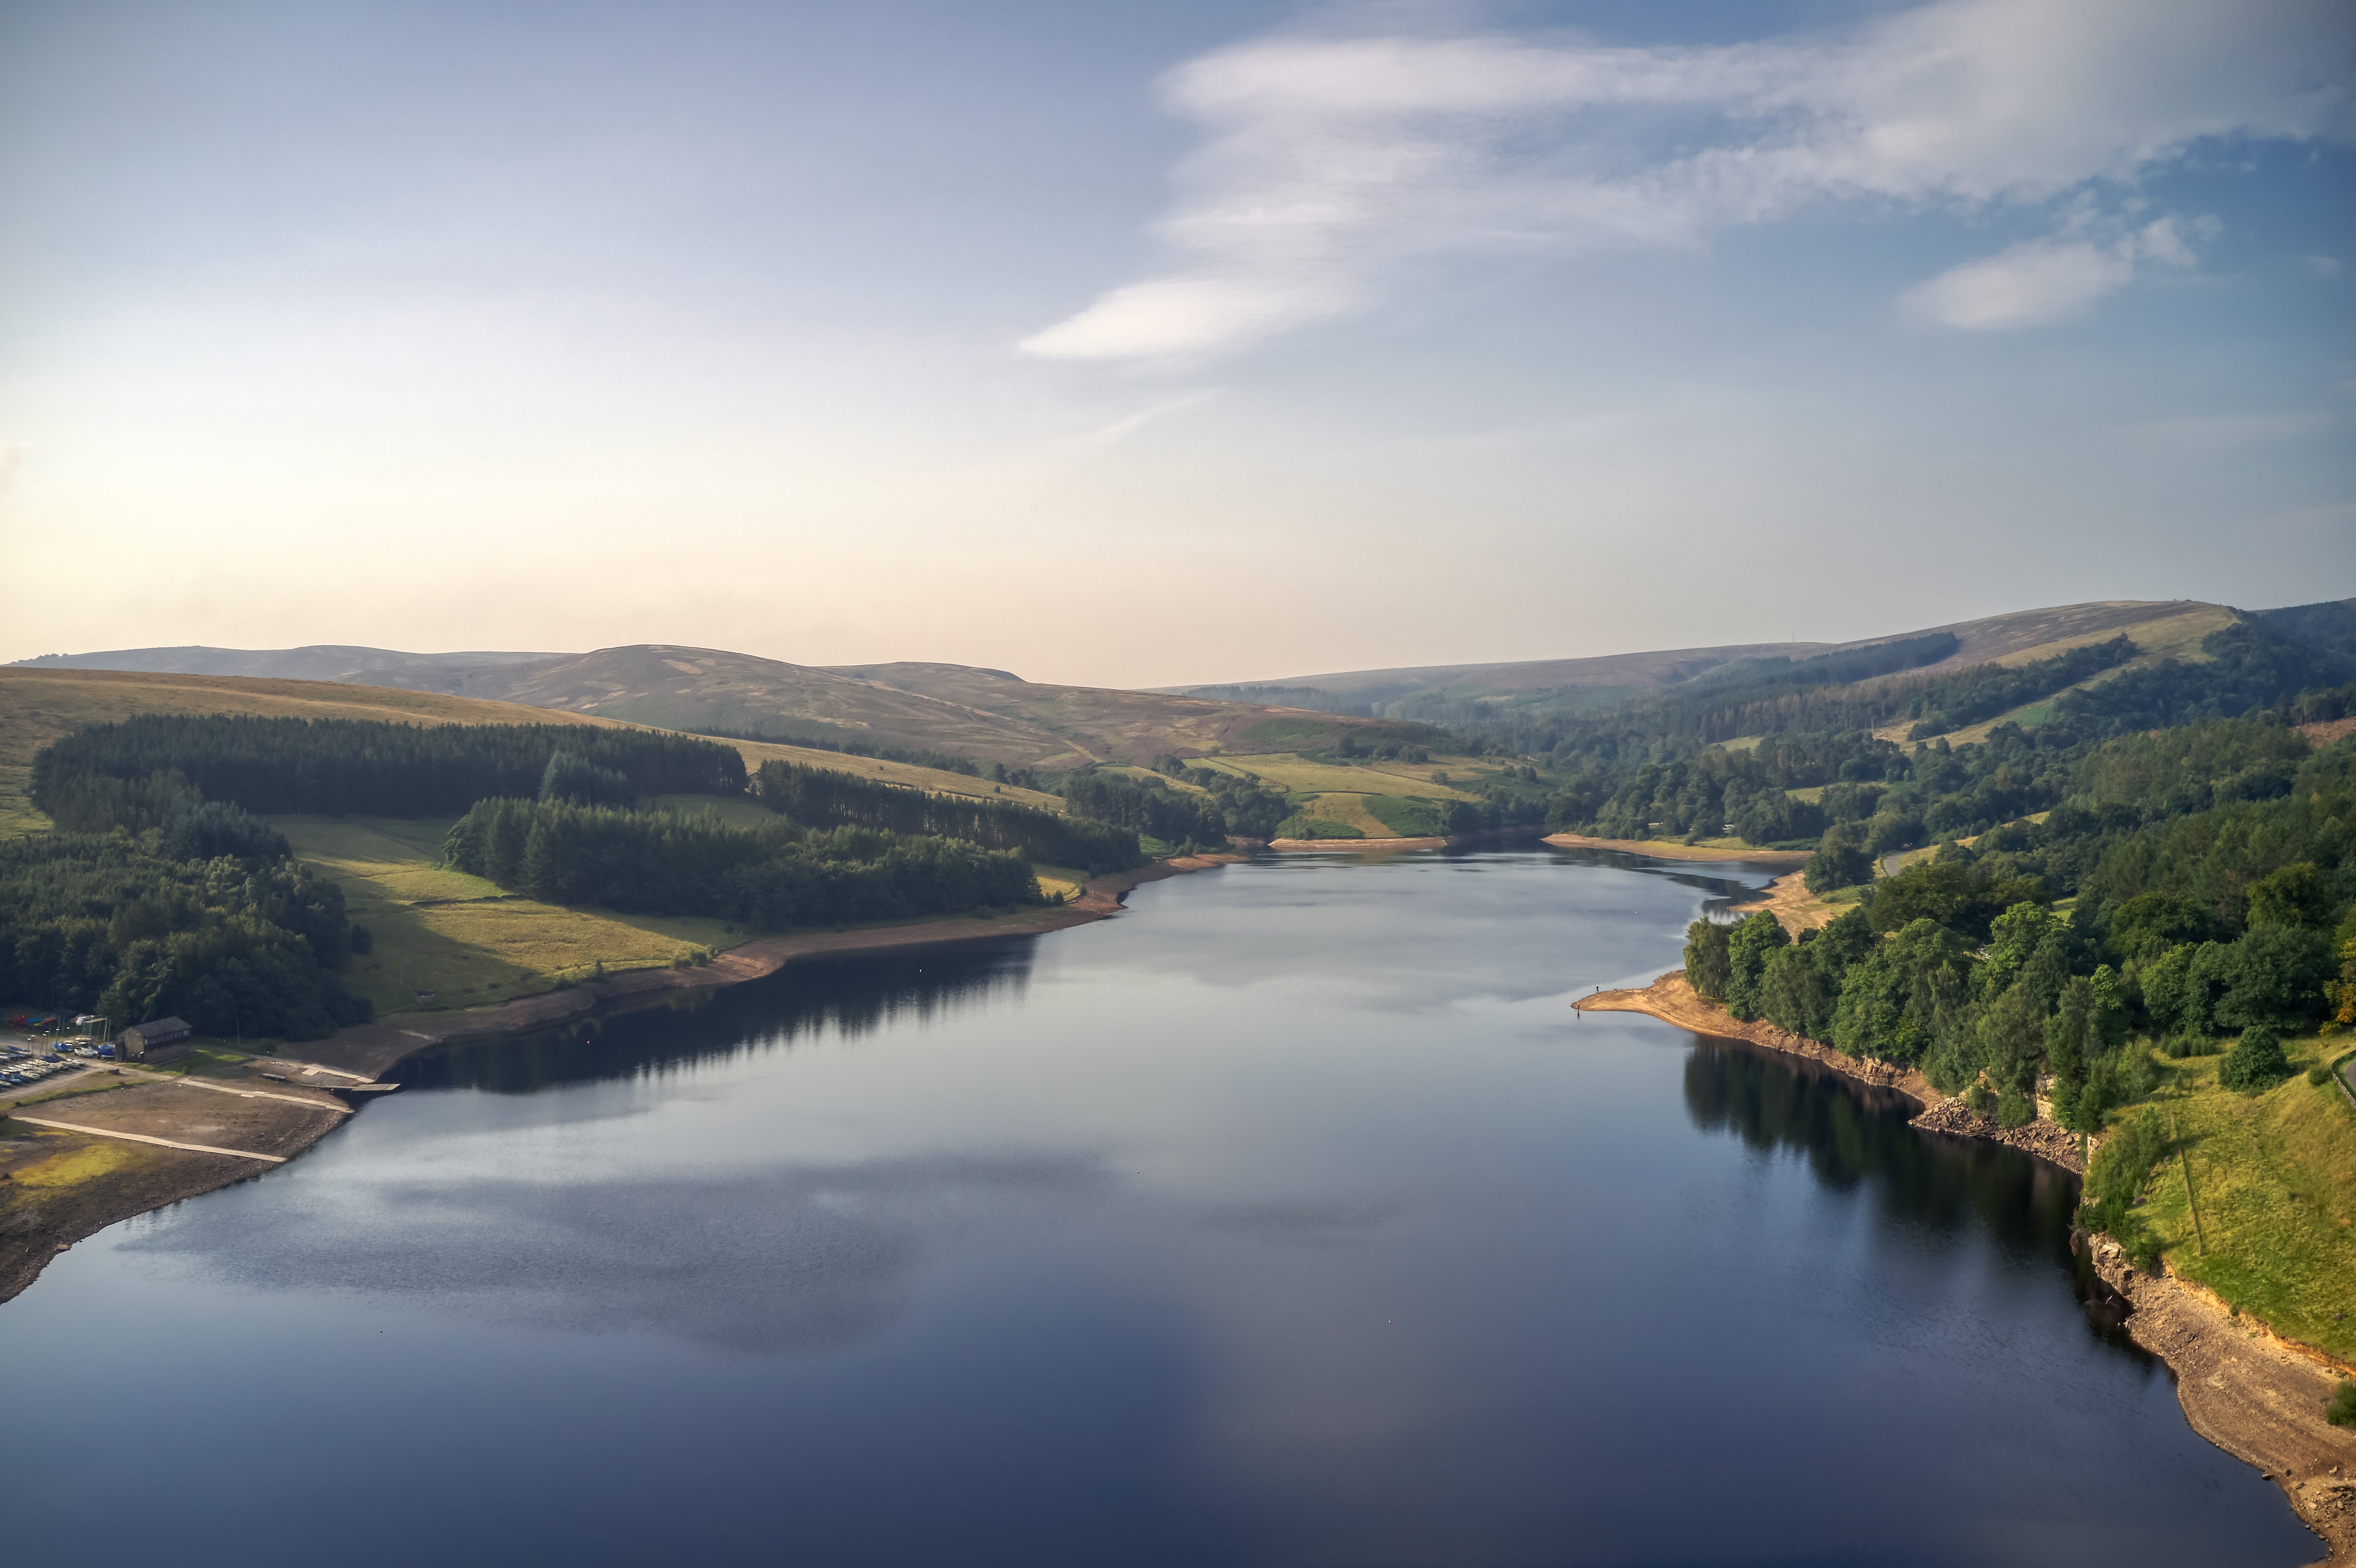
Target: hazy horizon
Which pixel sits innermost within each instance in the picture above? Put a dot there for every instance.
(1301, 339)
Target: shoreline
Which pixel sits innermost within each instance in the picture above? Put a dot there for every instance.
(2250, 1392)
(1673, 1001)
(1668, 849)
(373, 1048)
(364, 1052)
(1425, 841)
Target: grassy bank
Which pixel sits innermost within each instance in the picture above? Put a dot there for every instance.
(460, 936)
(2274, 1177)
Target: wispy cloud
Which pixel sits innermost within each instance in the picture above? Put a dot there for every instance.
(1331, 164)
(1130, 423)
(2039, 282)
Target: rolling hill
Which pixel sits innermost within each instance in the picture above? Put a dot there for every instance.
(326, 661)
(1106, 724)
(39, 704)
(984, 714)
(2161, 628)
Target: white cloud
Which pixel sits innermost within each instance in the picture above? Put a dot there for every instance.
(2039, 282)
(1330, 164)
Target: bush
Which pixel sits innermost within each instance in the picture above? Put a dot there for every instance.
(2319, 1074)
(2189, 1043)
(363, 939)
(1978, 1099)
(2015, 1109)
(2340, 1408)
(2256, 1062)
(2115, 1178)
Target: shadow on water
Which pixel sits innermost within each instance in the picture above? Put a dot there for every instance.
(1855, 1136)
(849, 996)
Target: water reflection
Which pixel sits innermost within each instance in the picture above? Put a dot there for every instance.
(795, 1258)
(849, 998)
(1856, 1135)
(1720, 892)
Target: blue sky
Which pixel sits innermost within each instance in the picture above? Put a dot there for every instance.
(1136, 345)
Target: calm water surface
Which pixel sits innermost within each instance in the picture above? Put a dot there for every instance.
(1292, 1218)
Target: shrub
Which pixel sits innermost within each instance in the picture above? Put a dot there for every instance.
(2340, 1408)
(2256, 1062)
(1978, 1099)
(2015, 1109)
(363, 939)
(2115, 1178)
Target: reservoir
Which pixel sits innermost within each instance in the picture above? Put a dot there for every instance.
(1290, 1218)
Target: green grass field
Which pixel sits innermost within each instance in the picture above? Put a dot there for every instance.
(1404, 818)
(460, 936)
(2274, 1177)
(1299, 776)
(1301, 825)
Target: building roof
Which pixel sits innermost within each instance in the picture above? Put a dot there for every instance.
(161, 1028)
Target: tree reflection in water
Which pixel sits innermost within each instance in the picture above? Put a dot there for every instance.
(1855, 1136)
(849, 996)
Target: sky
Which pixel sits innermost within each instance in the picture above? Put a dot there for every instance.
(1138, 345)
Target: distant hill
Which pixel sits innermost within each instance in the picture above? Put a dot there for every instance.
(2160, 628)
(40, 704)
(2331, 626)
(325, 661)
(706, 690)
(987, 715)
(43, 703)
(1110, 724)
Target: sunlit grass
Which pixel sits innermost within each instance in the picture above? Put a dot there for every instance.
(460, 936)
(2274, 1177)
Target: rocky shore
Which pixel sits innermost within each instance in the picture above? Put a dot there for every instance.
(1671, 999)
(2257, 1396)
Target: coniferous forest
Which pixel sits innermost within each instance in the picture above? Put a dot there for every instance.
(823, 798)
(665, 862)
(353, 766)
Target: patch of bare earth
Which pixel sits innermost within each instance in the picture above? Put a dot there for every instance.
(1795, 908)
(2258, 1397)
(37, 1221)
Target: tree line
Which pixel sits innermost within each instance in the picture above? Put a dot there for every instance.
(2214, 873)
(125, 925)
(771, 878)
(353, 766)
(823, 797)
